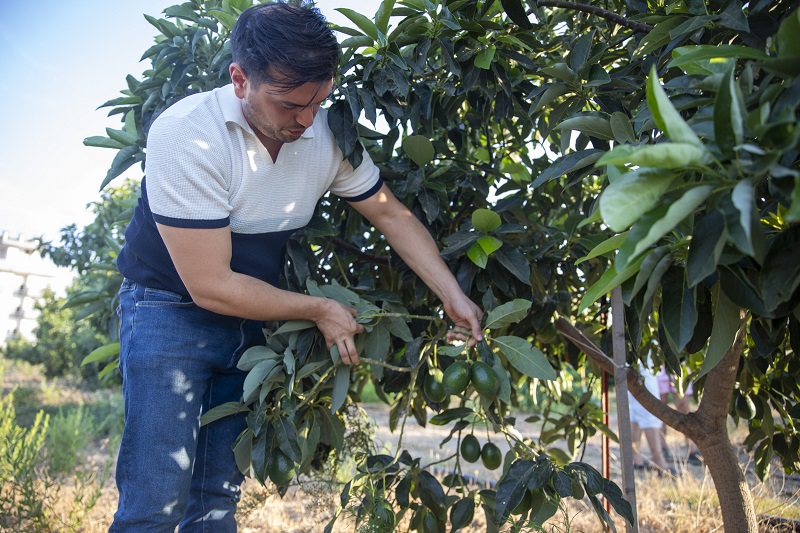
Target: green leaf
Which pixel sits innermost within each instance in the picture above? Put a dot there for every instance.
(723, 331)
(103, 142)
(508, 313)
(342, 124)
(504, 393)
(608, 281)
(622, 128)
(221, 411)
(678, 306)
(485, 220)
(101, 353)
(376, 346)
(630, 196)
(294, 325)
(787, 40)
(660, 221)
(780, 274)
(599, 127)
(243, 451)
(614, 496)
(490, 244)
(516, 12)
(515, 263)
(255, 377)
(666, 116)
(525, 357)
(562, 72)
(666, 155)
(658, 37)
(512, 487)
(226, 19)
(685, 55)
(478, 255)
(431, 492)
(124, 159)
(181, 11)
(550, 94)
(656, 270)
(420, 149)
(708, 241)
(609, 245)
(382, 16)
(462, 513)
(254, 355)
(449, 415)
(485, 57)
(729, 114)
(363, 23)
(341, 384)
(343, 295)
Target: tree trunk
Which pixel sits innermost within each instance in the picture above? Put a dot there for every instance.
(707, 426)
(709, 430)
(736, 503)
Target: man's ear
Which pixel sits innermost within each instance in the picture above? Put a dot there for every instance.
(239, 79)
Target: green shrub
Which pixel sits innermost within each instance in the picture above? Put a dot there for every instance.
(70, 432)
(30, 492)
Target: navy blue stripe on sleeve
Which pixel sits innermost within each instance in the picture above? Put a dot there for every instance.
(193, 224)
(375, 188)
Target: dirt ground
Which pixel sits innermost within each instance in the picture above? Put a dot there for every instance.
(307, 508)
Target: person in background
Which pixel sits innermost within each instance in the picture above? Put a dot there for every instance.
(644, 422)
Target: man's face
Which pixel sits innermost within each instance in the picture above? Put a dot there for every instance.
(279, 115)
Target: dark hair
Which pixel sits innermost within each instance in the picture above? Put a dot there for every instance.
(284, 45)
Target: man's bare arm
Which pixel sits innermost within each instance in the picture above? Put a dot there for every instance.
(409, 238)
(202, 258)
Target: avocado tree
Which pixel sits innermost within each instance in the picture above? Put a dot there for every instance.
(528, 137)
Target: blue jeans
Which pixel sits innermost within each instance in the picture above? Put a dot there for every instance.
(178, 361)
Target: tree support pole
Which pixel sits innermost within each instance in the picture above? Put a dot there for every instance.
(623, 409)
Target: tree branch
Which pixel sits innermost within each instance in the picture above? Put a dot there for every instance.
(600, 12)
(341, 243)
(659, 409)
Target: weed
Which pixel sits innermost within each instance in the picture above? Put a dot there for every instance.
(70, 432)
(29, 492)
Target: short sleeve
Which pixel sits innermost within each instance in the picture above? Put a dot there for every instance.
(355, 184)
(185, 179)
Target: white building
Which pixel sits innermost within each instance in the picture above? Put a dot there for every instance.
(24, 274)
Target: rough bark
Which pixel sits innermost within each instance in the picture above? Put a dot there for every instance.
(707, 426)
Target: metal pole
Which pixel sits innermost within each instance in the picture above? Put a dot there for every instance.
(623, 413)
(604, 440)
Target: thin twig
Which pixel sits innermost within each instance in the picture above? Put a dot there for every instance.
(372, 258)
(386, 365)
(598, 11)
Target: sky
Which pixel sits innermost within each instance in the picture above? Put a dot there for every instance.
(60, 61)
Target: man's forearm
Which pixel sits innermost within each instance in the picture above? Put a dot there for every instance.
(247, 297)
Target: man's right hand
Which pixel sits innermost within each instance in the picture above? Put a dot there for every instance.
(339, 327)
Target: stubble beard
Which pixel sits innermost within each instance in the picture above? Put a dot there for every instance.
(264, 127)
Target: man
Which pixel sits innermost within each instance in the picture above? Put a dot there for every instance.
(230, 175)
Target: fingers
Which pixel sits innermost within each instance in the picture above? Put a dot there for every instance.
(347, 351)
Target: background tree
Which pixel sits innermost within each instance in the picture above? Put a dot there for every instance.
(500, 123)
(61, 340)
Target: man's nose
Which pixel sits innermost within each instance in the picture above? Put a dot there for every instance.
(305, 117)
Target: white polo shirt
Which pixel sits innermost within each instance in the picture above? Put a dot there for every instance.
(207, 169)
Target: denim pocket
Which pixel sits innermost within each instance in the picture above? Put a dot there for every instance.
(163, 297)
